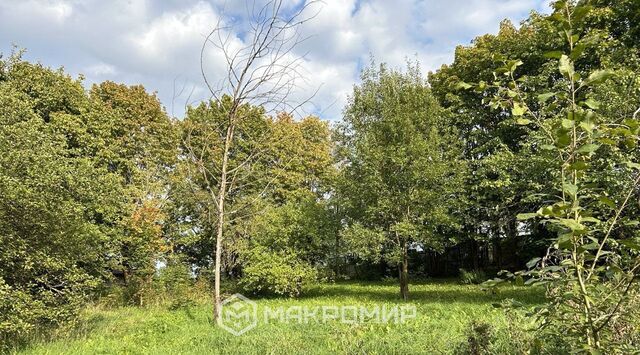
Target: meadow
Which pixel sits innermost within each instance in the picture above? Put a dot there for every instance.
(444, 312)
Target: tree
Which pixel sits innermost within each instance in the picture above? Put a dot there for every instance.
(129, 133)
(402, 170)
(286, 242)
(261, 71)
(276, 204)
(57, 207)
(506, 174)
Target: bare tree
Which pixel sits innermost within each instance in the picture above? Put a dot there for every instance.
(262, 70)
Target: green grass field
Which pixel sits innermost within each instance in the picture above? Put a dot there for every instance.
(444, 312)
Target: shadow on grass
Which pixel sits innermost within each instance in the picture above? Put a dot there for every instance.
(426, 292)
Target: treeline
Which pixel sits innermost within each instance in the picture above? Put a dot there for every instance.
(98, 197)
(103, 194)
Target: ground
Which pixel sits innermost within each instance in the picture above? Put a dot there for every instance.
(444, 312)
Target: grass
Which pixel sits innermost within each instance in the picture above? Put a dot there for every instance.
(444, 312)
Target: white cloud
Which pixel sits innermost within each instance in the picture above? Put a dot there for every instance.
(101, 70)
(157, 43)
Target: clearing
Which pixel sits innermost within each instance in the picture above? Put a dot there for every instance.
(444, 311)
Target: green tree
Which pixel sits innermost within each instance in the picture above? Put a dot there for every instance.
(401, 166)
(128, 132)
(293, 224)
(56, 206)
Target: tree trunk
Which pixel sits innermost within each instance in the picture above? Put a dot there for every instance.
(220, 226)
(337, 247)
(403, 270)
(337, 257)
(475, 250)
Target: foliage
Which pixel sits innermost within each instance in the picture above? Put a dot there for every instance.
(479, 339)
(280, 171)
(527, 138)
(276, 273)
(401, 170)
(82, 179)
(54, 205)
(591, 267)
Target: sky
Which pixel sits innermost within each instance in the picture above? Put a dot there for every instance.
(157, 43)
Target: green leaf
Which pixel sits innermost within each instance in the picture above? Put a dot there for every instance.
(518, 109)
(498, 58)
(607, 201)
(559, 5)
(578, 165)
(590, 246)
(571, 189)
(591, 220)
(463, 86)
(632, 165)
(546, 96)
(588, 148)
(572, 224)
(631, 243)
(553, 54)
(598, 76)
(592, 104)
(577, 51)
(526, 216)
(580, 12)
(514, 64)
(567, 123)
(523, 121)
(566, 66)
(575, 38)
(565, 241)
(533, 262)
(587, 124)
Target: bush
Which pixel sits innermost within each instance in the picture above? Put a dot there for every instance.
(276, 273)
(520, 335)
(479, 338)
(175, 283)
(25, 313)
(474, 277)
(172, 285)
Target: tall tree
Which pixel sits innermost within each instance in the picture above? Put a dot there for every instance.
(261, 71)
(402, 167)
(132, 136)
(57, 206)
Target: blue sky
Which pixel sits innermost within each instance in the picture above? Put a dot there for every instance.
(157, 43)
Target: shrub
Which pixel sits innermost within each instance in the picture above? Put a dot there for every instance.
(479, 338)
(175, 283)
(25, 313)
(276, 273)
(517, 336)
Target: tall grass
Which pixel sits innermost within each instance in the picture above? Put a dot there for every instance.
(445, 311)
